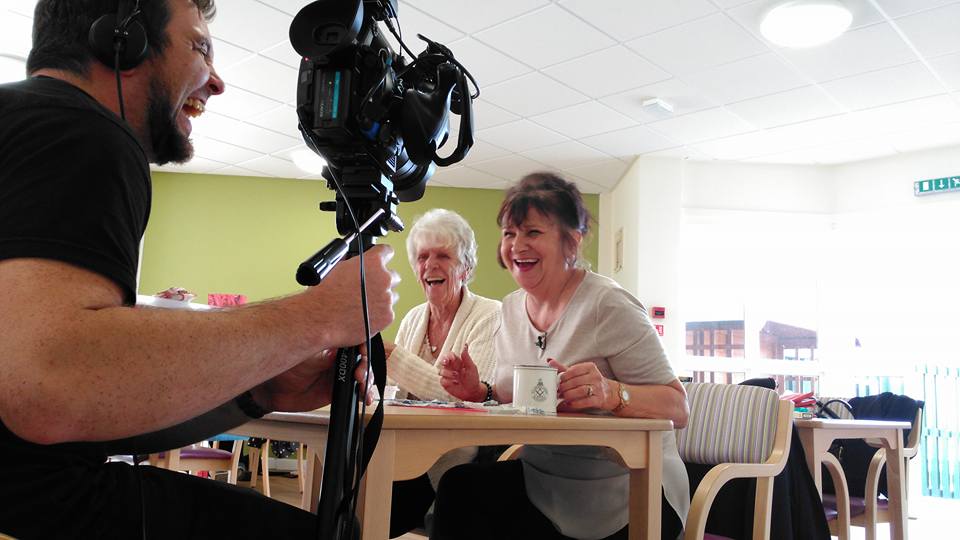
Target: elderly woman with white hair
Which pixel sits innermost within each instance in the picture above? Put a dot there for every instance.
(443, 253)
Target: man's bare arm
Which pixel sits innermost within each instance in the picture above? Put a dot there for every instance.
(75, 365)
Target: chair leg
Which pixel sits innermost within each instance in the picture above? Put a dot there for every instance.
(254, 459)
(265, 463)
(301, 465)
(762, 507)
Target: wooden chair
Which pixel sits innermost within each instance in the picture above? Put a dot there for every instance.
(869, 510)
(198, 458)
(259, 458)
(744, 431)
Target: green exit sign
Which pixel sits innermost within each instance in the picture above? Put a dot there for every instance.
(936, 185)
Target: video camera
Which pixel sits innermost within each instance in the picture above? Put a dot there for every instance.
(368, 112)
(378, 121)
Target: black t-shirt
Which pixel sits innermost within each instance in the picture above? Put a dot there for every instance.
(74, 181)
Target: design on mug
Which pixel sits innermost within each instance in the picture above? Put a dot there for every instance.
(539, 391)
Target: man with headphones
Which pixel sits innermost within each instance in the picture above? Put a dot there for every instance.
(112, 87)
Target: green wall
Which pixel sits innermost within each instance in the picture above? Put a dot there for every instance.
(243, 235)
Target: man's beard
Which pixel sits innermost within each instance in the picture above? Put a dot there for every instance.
(166, 142)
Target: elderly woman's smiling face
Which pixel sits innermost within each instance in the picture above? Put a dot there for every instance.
(440, 273)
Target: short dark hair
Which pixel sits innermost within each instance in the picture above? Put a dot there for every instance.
(550, 195)
(61, 27)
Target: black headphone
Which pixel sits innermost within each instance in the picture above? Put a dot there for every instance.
(120, 30)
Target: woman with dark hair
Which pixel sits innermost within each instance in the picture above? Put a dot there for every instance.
(610, 361)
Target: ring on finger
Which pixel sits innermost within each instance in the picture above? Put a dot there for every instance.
(589, 390)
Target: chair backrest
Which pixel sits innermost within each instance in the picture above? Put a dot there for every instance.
(834, 405)
(728, 424)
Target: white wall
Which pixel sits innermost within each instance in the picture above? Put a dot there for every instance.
(646, 204)
(761, 187)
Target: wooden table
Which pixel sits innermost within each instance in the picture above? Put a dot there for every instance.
(414, 438)
(816, 435)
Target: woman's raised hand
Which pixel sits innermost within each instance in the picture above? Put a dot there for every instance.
(459, 376)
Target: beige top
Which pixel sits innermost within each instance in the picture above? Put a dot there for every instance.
(475, 323)
(476, 320)
(581, 488)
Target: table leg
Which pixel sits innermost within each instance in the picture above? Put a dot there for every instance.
(646, 491)
(896, 491)
(808, 438)
(376, 491)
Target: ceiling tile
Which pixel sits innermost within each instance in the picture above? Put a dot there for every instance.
(240, 104)
(745, 79)
(487, 115)
(698, 126)
(512, 167)
(532, 94)
(282, 119)
(583, 120)
(788, 107)
(948, 68)
(630, 142)
(290, 7)
(929, 137)
(605, 174)
(566, 155)
(251, 25)
(468, 16)
(896, 8)
(483, 151)
(15, 34)
(469, 177)
(274, 166)
(545, 37)
(607, 72)
(242, 134)
(933, 32)
(849, 151)
(748, 145)
(681, 152)
(22, 7)
(12, 70)
(520, 136)
(222, 152)
(233, 170)
(197, 165)
(627, 19)
(698, 45)
(793, 157)
(283, 53)
(857, 51)
(226, 55)
(263, 76)
(413, 22)
(903, 116)
(485, 64)
(902, 83)
(681, 96)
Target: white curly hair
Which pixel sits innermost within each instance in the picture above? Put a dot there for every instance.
(444, 228)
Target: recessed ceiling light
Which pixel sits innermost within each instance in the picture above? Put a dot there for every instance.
(308, 160)
(805, 23)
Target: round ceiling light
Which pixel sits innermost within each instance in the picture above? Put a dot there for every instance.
(308, 160)
(805, 23)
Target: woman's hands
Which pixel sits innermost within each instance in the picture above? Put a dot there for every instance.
(581, 386)
(459, 376)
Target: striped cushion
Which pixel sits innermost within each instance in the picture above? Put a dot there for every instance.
(728, 424)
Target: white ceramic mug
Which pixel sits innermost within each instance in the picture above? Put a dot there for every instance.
(535, 389)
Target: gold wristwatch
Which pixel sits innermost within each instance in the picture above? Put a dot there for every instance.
(624, 396)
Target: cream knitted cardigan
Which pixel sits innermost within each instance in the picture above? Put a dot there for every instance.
(476, 322)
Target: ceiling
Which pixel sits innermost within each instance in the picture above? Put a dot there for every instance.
(563, 81)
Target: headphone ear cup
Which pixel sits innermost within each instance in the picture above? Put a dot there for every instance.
(134, 46)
